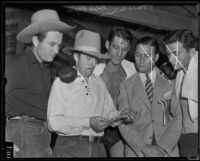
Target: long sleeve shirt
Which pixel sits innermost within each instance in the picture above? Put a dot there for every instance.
(71, 104)
(28, 86)
(187, 88)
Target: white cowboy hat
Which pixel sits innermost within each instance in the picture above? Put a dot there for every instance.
(43, 21)
(87, 42)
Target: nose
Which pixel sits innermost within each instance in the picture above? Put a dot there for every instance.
(93, 62)
(171, 58)
(142, 59)
(56, 49)
(119, 52)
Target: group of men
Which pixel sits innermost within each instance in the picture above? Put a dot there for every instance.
(114, 107)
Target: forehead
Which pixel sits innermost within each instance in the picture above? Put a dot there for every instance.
(54, 35)
(175, 46)
(144, 49)
(120, 41)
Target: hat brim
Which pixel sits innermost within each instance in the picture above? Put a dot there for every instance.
(69, 51)
(26, 34)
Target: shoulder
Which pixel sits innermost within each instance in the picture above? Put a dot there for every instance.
(98, 70)
(129, 67)
(129, 82)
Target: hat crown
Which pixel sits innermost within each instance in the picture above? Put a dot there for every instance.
(88, 41)
(45, 15)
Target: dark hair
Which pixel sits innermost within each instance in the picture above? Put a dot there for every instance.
(186, 37)
(41, 36)
(121, 32)
(148, 41)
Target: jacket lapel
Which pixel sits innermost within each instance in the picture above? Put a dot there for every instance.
(160, 86)
(140, 90)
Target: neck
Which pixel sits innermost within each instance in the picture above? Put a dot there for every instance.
(85, 77)
(113, 67)
(36, 55)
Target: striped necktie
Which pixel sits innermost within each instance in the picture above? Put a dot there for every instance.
(149, 91)
(149, 88)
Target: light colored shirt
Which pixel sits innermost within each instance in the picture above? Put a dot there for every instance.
(152, 76)
(71, 104)
(128, 66)
(187, 87)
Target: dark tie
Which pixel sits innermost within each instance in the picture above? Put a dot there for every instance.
(149, 88)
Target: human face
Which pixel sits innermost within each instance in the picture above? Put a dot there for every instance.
(143, 56)
(178, 55)
(85, 64)
(117, 49)
(49, 47)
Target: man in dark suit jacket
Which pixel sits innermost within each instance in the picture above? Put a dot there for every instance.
(157, 129)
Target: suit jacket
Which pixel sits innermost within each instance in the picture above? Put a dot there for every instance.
(163, 117)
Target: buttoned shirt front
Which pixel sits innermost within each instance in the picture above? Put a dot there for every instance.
(71, 104)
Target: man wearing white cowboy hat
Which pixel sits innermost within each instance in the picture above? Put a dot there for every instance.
(28, 85)
(80, 111)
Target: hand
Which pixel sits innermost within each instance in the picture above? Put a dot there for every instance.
(153, 151)
(98, 123)
(130, 115)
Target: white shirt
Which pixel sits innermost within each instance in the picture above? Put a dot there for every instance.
(128, 66)
(189, 90)
(71, 104)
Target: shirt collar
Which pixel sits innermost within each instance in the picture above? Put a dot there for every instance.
(152, 76)
(31, 57)
(80, 77)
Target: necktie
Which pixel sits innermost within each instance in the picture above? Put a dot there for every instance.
(149, 88)
(149, 91)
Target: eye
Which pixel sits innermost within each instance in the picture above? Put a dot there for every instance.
(125, 50)
(115, 47)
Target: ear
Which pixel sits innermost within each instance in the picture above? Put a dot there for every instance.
(76, 57)
(35, 41)
(107, 43)
(192, 52)
(156, 57)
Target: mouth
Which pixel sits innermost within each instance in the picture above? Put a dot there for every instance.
(90, 69)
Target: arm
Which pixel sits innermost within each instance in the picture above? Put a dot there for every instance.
(129, 132)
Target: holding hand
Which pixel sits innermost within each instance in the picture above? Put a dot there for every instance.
(130, 115)
(98, 123)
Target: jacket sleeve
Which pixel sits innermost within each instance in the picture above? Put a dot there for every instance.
(129, 132)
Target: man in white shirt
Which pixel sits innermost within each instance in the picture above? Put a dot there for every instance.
(80, 111)
(184, 57)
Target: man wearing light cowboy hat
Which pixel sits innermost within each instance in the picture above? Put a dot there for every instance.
(80, 111)
(28, 85)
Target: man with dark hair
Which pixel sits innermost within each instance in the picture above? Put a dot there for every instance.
(183, 56)
(157, 128)
(28, 85)
(113, 72)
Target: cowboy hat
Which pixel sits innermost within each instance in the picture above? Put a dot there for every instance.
(43, 21)
(87, 42)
